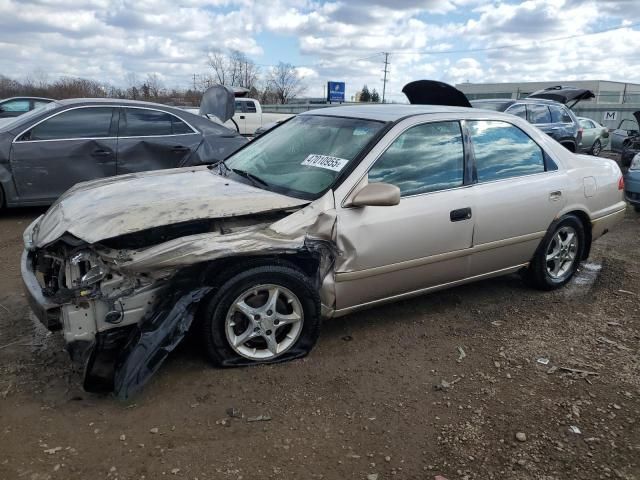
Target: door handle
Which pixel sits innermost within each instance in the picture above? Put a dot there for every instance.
(101, 153)
(180, 149)
(241, 117)
(460, 214)
(555, 195)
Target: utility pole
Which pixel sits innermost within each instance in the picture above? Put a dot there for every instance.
(384, 80)
(194, 82)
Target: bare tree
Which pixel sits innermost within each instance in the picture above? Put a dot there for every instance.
(285, 82)
(233, 70)
(154, 85)
(131, 81)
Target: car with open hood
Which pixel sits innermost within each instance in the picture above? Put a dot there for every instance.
(626, 139)
(330, 212)
(549, 110)
(48, 150)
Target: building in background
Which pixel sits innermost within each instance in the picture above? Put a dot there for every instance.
(606, 92)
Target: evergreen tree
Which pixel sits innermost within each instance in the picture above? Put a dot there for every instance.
(375, 96)
(365, 96)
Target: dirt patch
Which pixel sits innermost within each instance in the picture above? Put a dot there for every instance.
(386, 391)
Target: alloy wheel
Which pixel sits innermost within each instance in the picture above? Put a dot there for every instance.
(561, 253)
(264, 321)
(597, 148)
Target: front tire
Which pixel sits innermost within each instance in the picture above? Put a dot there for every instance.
(264, 314)
(558, 256)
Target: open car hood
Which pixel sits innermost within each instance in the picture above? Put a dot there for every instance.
(564, 94)
(107, 208)
(431, 92)
(219, 101)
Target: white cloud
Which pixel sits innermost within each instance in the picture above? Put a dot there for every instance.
(336, 40)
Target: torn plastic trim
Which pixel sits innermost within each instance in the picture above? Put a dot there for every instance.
(151, 343)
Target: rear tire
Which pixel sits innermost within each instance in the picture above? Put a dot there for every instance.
(1, 198)
(569, 146)
(558, 255)
(637, 208)
(264, 314)
(596, 148)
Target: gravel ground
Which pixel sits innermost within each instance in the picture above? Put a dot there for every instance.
(453, 384)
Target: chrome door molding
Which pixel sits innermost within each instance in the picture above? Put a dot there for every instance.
(15, 139)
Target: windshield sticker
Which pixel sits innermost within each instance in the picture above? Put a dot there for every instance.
(357, 132)
(325, 161)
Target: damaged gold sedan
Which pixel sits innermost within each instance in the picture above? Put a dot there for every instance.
(333, 211)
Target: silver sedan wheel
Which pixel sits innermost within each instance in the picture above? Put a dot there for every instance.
(597, 148)
(264, 322)
(562, 252)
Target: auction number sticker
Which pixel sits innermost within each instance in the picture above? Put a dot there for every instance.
(325, 161)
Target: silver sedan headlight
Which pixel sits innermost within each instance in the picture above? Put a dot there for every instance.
(635, 163)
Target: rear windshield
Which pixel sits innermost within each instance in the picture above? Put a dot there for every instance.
(496, 106)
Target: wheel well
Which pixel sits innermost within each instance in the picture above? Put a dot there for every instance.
(586, 223)
(216, 272)
(569, 145)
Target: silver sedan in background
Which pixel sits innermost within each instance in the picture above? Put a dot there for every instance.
(595, 137)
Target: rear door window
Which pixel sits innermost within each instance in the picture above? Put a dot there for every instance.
(425, 158)
(142, 122)
(519, 110)
(72, 124)
(251, 107)
(538, 114)
(560, 115)
(502, 151)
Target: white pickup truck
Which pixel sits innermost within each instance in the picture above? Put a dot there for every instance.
(249, 116)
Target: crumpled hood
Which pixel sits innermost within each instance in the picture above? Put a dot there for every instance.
(106, 208)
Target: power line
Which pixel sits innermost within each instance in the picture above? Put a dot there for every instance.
(515, 45)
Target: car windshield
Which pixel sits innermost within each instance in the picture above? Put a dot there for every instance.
(25, 117)
(304, 156)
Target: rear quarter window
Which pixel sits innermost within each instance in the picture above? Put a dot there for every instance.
(538, 114)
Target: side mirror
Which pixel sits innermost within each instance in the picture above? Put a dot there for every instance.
(377, 195)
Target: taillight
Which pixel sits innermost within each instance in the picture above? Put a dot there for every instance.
(580, 130)
(621, 183)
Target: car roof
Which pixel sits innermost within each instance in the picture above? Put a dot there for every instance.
(110, 101)
(520, 100)
(384, 113)
(27, 98)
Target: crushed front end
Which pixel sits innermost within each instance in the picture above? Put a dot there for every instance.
(70, 287)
